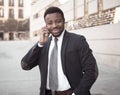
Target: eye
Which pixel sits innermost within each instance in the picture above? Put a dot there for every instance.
(58, 21)
(49, 23)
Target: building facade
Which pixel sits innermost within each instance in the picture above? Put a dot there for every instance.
(10, 9)
(78, 13)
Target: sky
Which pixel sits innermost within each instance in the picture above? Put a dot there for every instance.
(27, 8)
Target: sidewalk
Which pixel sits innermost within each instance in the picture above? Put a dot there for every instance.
(15, 81)
(108, 82)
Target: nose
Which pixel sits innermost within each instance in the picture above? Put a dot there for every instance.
(54, 24)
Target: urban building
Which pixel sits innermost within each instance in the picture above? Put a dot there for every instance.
(78, 13)
(97, 20)
(11, 10)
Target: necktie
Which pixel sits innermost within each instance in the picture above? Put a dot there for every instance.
(53, 76)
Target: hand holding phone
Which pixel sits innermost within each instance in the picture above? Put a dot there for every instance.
(44, 34)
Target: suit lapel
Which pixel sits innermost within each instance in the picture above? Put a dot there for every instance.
(46, 48)
(63, 50)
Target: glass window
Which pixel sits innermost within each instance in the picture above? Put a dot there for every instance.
(1, 2)
(11, 2)
(20, 3)
(20, 13)
(11, 13)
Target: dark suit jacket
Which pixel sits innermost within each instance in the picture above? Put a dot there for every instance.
(78, 62)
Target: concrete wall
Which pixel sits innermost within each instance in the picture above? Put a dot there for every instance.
(105, 43)
(110, 3)
(91, 8)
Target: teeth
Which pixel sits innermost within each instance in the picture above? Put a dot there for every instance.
(55, 30)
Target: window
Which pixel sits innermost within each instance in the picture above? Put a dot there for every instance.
(1, 25)
(20, 3)
(20, 13)
(11, 2)
(11, 13)
(1, 2)
(1, 12)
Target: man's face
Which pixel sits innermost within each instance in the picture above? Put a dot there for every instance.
(54, 23)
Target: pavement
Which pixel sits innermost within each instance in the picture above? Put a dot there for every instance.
(15, 81)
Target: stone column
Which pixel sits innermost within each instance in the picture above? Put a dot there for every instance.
(86, 9)
(74, 10)
(100, 7)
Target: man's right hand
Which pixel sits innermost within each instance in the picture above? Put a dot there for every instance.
(44, 34)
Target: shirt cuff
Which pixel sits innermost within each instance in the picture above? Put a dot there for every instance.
(39, 45)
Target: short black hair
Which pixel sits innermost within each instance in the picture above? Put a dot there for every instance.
(53, 10)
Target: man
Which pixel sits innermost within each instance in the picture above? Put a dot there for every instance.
(76, 66)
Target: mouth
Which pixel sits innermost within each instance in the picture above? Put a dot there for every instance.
(55, 31)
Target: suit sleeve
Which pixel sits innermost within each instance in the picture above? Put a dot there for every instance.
(31, 59)
(89, 68)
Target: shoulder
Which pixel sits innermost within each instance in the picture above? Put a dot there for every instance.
(77, 40)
